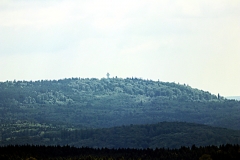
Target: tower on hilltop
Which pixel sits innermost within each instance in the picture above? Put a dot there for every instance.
(108, 75)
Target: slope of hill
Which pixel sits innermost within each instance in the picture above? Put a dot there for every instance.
(97, 103)
(164, 134)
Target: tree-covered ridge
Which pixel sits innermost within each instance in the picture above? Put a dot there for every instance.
(164, 134)
(59, 91)
(96, 103)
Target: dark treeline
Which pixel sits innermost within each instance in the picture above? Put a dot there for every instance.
(30, 152)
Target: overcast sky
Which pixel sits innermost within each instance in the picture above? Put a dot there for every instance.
(191, 42)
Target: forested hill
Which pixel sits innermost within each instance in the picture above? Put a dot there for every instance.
(68, 90)
(95, 103)
(164, 134)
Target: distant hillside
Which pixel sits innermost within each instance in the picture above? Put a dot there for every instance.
(97, 103)
(164, 134)
(234, 97)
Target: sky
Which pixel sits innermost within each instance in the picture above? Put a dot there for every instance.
(191, 42)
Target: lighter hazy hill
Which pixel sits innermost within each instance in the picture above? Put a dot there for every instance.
(97, 103)
(234, 97)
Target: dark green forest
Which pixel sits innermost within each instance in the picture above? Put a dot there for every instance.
(28, 152)
(107, 112)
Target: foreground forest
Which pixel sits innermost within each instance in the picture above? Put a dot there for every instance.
(27, 152)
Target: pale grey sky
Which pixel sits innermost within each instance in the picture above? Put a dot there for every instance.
(185, 41)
